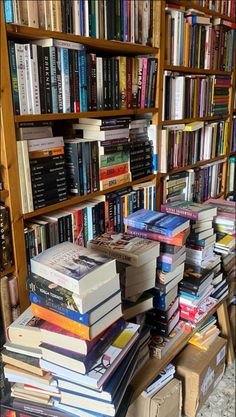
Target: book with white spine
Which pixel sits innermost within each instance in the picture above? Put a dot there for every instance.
(21, 78)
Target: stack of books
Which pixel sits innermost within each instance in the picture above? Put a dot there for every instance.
(206, 334)
(136, 265)
(85, 363)
(63, 78)
(201, 264)
(171, 231)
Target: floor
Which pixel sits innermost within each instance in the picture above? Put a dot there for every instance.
(221, 402)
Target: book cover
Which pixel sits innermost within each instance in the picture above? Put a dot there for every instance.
(75, 268)
(126, 248)
(189, 210)
(157, 222)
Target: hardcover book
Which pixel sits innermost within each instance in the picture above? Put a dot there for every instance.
(157, 222)
(75, 268)
(126, 248)
(189, 210)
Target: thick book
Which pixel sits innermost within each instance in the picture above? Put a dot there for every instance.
(75, 268)
(125, 248)
(194, 276)
(192, 211)
(160, 345)
(105, 366)
(26, 362)
(85, 332)
(157, 222)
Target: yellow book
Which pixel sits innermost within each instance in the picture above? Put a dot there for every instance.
(122, 82)
(195, 98)
(226, 240)
(191, 127)
(186, 45)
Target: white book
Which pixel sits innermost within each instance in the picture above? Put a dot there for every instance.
(106, 134)
(163, 151)
(23, 12)
(52, 5)
(145, 23)
(16, 11)
(179, 97)
(86, 18)
(65, 80)
(42, 14)
(97, 6)
(45, 143)
(29, 92)
(34, 79)
(76, 17)
(59, 43)
(138, 288)
(132, 25)
(24, 201)
(25, 152)
(21, 78)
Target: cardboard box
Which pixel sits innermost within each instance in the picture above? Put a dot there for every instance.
(200, 371)
(165, 403)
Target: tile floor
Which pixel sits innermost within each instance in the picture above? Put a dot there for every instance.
(221, 402)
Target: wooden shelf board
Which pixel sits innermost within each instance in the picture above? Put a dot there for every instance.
(154, 366)
(195, 70)
(80, 199)
(64, 116)
(198, 164)
(4, 194)
(232, 153)
(7, 271)
(205, 10)
(194, 119)
(110, 46)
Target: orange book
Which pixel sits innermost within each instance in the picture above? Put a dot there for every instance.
(113, 171)
(45, 153)
(186, 45)
(66, 324)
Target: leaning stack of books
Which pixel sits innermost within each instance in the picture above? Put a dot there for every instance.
(172, 232)
(206, 334)
(136, 265)
(64, 350)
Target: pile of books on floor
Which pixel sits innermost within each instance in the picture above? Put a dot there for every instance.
(206, 334)
(73, 352)
(136, 264)
(171, 231)
(202, 264)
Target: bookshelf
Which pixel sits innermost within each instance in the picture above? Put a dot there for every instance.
(11, 194)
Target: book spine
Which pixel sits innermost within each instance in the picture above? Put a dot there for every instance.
(122, 82)
(41, 79)
(129, 81)
(21, 78)
(24, 201)
(59, 80)
(99, 72)
(8, 11)
(82, 81)
(95, 166)
(76, 83)
(53, 75)
(34, 79)
(120, 179)
(113, 171)
(14, 81)
(47, 78)
(65, 80)
(72, 167)
(26, 164)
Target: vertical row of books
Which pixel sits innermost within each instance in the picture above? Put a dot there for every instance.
(84, 364)
(226, 8)
(119, 20)
(98, 155)
(197, 185)
(195, 95)
(198, 41)
(56, 76)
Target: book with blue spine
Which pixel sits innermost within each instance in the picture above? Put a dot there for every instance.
(8, 11)
(88, 318)
(65, 80)
(53, 75)
(157, 222)
(83, 98)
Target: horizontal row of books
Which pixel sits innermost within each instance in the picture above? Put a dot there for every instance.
(226, 8)
(114, 19)
(6, 253)
(197, 41)
(195, 95)
(55, 76)
(187, 144)
(96, 157)
(87, 220)
(198, 184)
(9, 302)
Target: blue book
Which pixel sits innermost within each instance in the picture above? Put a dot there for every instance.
(83, 97)
(53, 75)
(165, 267)
(124, 14)
(90, 223)
(65, 79)
(157, 222)
(87, 319)
(84, 168)
(8, 11)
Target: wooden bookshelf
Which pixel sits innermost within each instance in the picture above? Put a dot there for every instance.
(190, 70)
(7, 271)
(194, 5)
(194, 119)
(197, 165)
(154, 366)
(64, 116)
(115, 47)
(80, 199)
(4, 194)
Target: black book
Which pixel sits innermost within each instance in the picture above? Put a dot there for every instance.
(41, 71)
(47, 78)
(105, 82)
(195, 276)
(71, 56)
(109, 82)
(45, 202)
(110, 5)
(59, 81)
(63, 16)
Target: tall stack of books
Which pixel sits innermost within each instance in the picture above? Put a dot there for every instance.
(196, 287)
(224, 226)
(56, 76)
(171, 231)
(134, 21)
(136, 265)
(71, 350)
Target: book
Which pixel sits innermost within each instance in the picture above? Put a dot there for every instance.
(22, 361)
(85, 332)
(76, 269)
(125, 248)
(143, 304)
(167, 225)
(106, 364)
(160, 345)
(189, 210)
(166, 277)
(178, 240)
